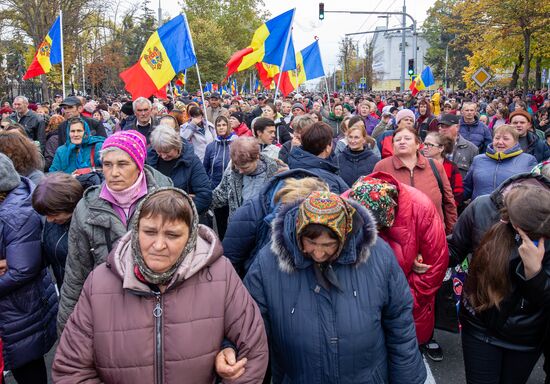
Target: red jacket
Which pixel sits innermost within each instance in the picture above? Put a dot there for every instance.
(418, 229)
(455, 178)
(242, 130)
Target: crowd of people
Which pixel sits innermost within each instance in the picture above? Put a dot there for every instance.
(301, 239)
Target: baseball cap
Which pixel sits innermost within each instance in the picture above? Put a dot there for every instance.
(448, 119)
(71, 101)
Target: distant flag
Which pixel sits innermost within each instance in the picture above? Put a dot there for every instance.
(168, 51)
(243, 88)
(267, 45)
(48, 53)
(234, 89)
(427, 77)
(258, 86)
(416, 84)
(181, 78)
(214, 87)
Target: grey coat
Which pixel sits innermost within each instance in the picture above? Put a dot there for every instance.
(94, 225)
(464, 154)
(230, 190)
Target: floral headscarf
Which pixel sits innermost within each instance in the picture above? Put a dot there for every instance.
(377, 195)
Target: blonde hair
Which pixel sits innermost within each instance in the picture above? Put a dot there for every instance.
(294, 189)
(507, 128)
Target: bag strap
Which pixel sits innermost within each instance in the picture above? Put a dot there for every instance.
(107, 232)
(92, 156)
(437, 177)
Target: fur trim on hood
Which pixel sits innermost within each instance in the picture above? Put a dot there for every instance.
(285, 244)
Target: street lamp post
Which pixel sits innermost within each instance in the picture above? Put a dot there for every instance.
(447, 63)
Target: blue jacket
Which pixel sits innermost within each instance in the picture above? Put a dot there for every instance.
(363, 334)
(249, 228)
(188, 174)
(28, 302)
(486, 174)
(356, 164)
(67, 158)
(323, 168)
(537, 147)
(55, 244)
(216, 158)
(476, 133)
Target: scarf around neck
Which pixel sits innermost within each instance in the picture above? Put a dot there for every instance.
(126, 198)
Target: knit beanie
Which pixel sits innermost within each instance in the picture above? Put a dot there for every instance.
(523, 113)
(327, 209)
(9, 178)
(132, 142)
(239, 116)
(378, 196)
(127, 108)
(404, 113)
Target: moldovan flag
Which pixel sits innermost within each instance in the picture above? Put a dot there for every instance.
(268, 46)
(48, 53)
(168, 51)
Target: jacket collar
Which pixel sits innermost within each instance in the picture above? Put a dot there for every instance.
(420, 162)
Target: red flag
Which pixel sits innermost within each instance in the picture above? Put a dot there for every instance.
(286, 85)
(412, 87)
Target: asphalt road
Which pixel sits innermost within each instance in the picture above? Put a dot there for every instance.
(448, 371)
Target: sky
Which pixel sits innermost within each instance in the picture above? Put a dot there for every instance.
(333, 28)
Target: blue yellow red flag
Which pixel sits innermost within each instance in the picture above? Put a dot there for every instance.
(48, 52)
(168, 51)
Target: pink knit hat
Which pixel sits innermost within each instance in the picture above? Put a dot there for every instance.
(404, 113)
(132, 142)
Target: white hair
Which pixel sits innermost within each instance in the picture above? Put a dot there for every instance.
(164, 138)
(141, 100)
(108, 150)
(22, 98)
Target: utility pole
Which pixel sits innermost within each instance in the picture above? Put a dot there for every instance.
(403, 45)
(160, 14)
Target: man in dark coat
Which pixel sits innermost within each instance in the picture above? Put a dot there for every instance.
(72, 107)
(34, 123)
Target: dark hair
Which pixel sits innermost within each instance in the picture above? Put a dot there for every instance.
(313, 231)
(355, 119)
(488, 281)
(24, 154)
(271, 106)
(170, 205)
(316, 138)
(411, 130)
(195, 112)
(224, 118)
(261, 123)
(47, 198)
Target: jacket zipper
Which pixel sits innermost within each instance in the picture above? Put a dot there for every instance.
(159, 359)
(412, 177)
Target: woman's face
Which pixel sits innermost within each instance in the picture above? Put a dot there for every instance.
(233, 121)
(503, 141)
(447, 109)
(338, 110)
(422, 108)
(321, 249)
(432, 148)
(120, 171)
(247, 168)
(356, 141)
(76, 133)
(364, 109)
(221, 127)
(168, 155)
(161, 243)
(97, 116)
(404, 143)
(268, 112)
(406, 122)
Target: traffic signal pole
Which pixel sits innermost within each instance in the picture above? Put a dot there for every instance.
(403, 47)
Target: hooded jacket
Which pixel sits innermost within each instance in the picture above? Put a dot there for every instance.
(323, 168)
(490, 169)
(216, 158)
(230, 190)
(67, 158)
(537, 147)
(418, 230)
(95, 227)
(522, 319)
(191, 132)
(188, 174)
(356, 164)
(249, 228)
(361, 334)
(123, 331)
(476, 133)
(28, 301)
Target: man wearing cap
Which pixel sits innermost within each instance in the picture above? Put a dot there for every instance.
(256, 112)
(528, 140)
(34, 123)
(298, 109)
(464, 150)
(215, 109)
(72, 107)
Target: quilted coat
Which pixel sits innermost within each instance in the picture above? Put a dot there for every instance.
(361, 334)
(418, 230)
(123, 331)
(28, 302)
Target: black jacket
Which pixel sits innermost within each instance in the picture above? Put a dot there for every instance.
(523, 317)
(537, 147)
(34, 124)
(356, 164)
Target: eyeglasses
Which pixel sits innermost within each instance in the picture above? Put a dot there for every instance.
(432, 145)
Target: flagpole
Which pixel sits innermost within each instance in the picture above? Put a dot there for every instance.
(328, 94)
(62, 53)
(284, 55)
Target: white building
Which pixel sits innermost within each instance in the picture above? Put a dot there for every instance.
(387, 58)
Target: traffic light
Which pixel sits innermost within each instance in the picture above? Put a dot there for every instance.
(411, 67)
(321, 11)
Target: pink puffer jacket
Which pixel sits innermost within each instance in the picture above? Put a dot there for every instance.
(121, 332)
